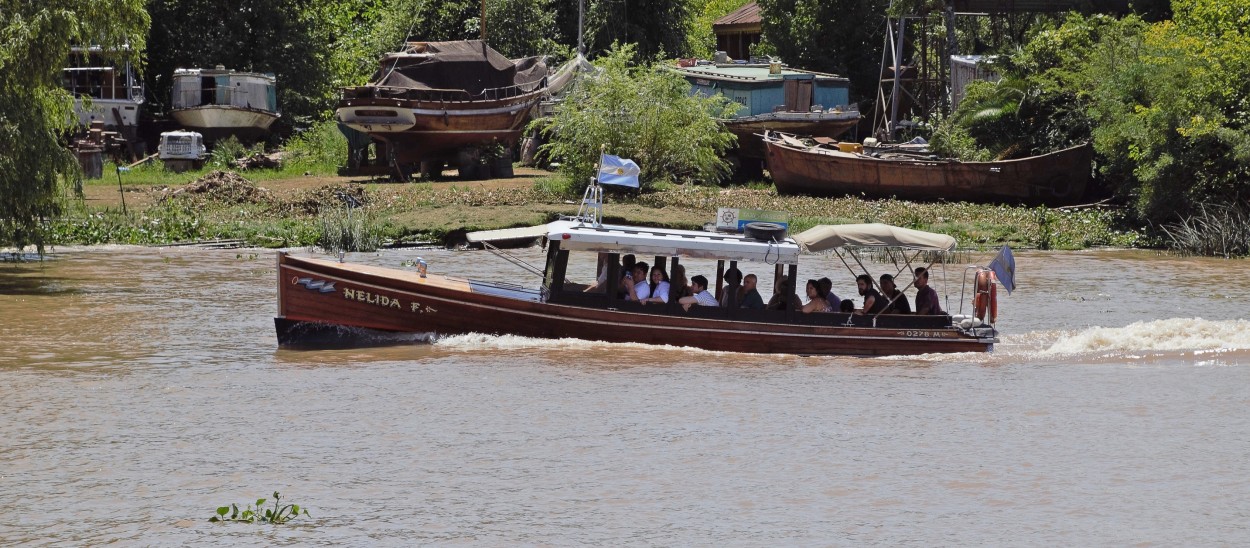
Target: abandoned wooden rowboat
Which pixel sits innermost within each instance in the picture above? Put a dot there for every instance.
(801, 166)
(322, 302)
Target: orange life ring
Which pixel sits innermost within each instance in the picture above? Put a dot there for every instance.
(985, 298)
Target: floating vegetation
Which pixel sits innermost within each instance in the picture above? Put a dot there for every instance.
(277, 515)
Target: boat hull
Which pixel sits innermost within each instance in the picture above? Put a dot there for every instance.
(1058, 178)
(218, 121)
(321, 302)
(421, 130)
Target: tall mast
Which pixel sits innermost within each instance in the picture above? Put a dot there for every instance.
(483, 21)
(580, 10)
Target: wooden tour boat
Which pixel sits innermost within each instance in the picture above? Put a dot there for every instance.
(323, 302)
(818, 167)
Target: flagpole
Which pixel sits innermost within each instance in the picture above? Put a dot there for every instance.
(598, 190)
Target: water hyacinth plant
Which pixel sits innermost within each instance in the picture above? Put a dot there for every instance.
(277, 515)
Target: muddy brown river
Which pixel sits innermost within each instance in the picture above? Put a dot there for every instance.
(142, 388)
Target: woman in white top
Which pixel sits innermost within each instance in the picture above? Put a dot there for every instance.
(658, 286)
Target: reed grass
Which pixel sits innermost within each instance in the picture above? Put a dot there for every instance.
(1221, 230)
(345, 229)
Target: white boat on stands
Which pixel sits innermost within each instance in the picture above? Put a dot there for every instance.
(219, 103)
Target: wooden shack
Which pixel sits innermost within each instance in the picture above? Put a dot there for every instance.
(739, 31)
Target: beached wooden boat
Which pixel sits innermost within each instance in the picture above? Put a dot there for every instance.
(326, 302)
(804, 166)
(434, 100)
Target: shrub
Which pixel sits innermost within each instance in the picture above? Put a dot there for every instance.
(644, 113)
(346, 229)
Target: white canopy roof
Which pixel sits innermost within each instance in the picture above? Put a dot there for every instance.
(822, 237)
(579, 236)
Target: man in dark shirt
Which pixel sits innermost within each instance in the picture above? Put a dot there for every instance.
(927, 302)
(873, 303)
(750, 297)
(896, 301)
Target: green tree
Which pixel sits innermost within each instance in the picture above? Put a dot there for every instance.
(35, 41)
(700, 37)
(838, 36)
(283, 37)
(644, 113)
(515, 28)
(654, 26)
(1170, 106)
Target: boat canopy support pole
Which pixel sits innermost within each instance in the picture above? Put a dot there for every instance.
(789, 297)
(614, 275)
(720, 278)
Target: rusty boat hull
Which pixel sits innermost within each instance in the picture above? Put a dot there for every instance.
(1057, 178)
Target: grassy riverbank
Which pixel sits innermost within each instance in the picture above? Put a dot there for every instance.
(283, 208)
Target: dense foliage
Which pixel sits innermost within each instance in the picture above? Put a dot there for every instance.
(700, 39)
(655, 27)
(1166, 104)
(644, 113)
(515, 28)
(838, 36)
(35, 41)
(293, 39)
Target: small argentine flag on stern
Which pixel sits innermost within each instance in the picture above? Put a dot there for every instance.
(614, 170)
(1004, 267)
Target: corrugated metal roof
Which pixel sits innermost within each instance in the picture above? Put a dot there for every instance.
(747, 15)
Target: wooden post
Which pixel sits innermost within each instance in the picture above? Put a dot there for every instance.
(660, 262)
(732, 299)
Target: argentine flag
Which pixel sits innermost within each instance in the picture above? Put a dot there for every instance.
(1004, 267)
(614, 170)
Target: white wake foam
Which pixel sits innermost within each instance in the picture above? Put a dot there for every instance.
(1170, 335)
(477, 341)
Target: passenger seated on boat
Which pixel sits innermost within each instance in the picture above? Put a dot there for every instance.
(659, 285)
(733, 278)
(832, 300)
(847, 306)
(785, 299)
(750, 297)
(627, 276)
(927, 302)
(638, 288)
(700, 296)
(816, 300)
(678, 287)
(873, 303)
(895, 300)
(602, 280)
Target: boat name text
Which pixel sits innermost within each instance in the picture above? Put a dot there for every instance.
(363, 296)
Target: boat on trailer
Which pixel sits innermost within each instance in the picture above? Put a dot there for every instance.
(327, 303)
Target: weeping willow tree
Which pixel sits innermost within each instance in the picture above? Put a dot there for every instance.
(35, 113)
